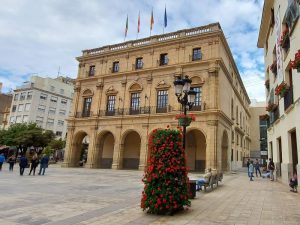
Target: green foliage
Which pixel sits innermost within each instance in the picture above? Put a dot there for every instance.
(26, 134)
(166, 182)
(57, 144)
(48, 151)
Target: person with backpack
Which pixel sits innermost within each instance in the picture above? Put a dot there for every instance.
(271, 168)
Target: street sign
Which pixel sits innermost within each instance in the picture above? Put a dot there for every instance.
(263, 152)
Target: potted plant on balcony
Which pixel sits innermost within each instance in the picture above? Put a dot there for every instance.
(185, 120)
(281, 89)
(295, 64)
(270, 107)
(285, 39)
(267, 83)
(273, 67)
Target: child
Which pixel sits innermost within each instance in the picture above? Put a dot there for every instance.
(294, 182)
(251, 170)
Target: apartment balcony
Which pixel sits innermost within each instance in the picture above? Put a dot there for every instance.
(84, 114)
(288, 98)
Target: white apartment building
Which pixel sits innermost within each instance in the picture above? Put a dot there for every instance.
(45, 101)
(279, 35)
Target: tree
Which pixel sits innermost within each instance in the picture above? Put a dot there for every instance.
(57, 144)
(166, 182)
(26, 135)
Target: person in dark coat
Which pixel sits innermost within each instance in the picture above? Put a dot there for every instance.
(2, 160)
(23, 164)
(44, 164)
(11, 161)
(34, 164)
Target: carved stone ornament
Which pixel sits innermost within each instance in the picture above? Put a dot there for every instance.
(111, 91)
(99, 85)
(162, 85)
(81, 64)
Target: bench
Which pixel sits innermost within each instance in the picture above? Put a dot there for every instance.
(213, 179)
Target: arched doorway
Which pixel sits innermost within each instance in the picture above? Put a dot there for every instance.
(80, 149)
(225, 151)
(131, 150)
(106, 150)
(195, 150)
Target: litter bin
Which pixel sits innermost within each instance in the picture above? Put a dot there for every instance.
(192, 189)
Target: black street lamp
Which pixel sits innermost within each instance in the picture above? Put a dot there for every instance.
(185, 96)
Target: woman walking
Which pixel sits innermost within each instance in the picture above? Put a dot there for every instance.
(34, 164)
(11, 161)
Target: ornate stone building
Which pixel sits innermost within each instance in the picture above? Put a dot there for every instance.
(125, 91)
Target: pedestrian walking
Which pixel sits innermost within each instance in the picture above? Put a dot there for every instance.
(271, 168)
(294, 182)
(11, 161)
(34, 164)
(23, 164)
(251, 170)
(2, 160)
(257, 168)
(248, 163)
(44, 164)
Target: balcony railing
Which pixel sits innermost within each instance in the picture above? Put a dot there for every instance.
(84, 114)
(288, 98)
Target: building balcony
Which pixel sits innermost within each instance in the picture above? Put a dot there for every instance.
(288, 98)
(84, 114)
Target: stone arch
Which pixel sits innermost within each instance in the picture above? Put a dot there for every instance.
(224, 154)
(196, 80)
(105, 146)
(87, 93)
(80, 148)
(131, 149)
(135, 87)
(195, 149)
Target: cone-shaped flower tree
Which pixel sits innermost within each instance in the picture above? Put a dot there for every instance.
(166, 182)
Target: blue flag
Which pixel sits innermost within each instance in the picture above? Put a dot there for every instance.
(166, 19)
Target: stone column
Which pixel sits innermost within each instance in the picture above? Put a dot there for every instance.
(69, 148)
(76, 98)
(143, 153)
(211, 144)
(118, 153)
(92, 151)
(213, 86)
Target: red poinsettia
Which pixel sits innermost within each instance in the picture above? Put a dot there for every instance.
(281, 89)
(295, 64)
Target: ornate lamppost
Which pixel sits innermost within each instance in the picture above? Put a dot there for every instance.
(186, 97)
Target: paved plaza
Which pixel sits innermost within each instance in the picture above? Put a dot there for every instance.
(96, 196)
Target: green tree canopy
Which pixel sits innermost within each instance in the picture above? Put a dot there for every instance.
(57, 144)
(26, 134)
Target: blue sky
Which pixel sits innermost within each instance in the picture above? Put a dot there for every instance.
(38, 37)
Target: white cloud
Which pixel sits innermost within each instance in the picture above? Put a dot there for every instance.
(40, 36)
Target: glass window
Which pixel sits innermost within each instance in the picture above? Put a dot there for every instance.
(41, 108)
(12, 119)
(62, 91)
(27, 107)
(22, 96)
(52, 88)
(115, 67)
(19, 119)
(14, 107)
(60, 122)
(135, 103)
(198, 98)
(58, 133)
(63, 101)
(197, 55)
(139, 63)
(92, 71)
(62, 112)
(163, 59)
(16, 98)
(29, 95)
(43, 96)
(53, 99)
(50, 121)
(87, 106)
(162, 100)
(25, 119)
(20, 108)
(111, 101)
(51, 111)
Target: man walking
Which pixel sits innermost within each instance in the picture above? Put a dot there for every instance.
(271, 168)
(23, 164)
(256, 166)
(44, 164)
(248, 164)
(2, 160)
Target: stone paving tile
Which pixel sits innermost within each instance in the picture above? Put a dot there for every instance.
(84, 196)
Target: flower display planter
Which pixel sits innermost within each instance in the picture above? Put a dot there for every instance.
(184, 121)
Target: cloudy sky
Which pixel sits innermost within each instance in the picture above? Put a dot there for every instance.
(38, 37)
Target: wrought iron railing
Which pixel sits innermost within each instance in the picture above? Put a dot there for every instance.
(288, 98)
(83, 114)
